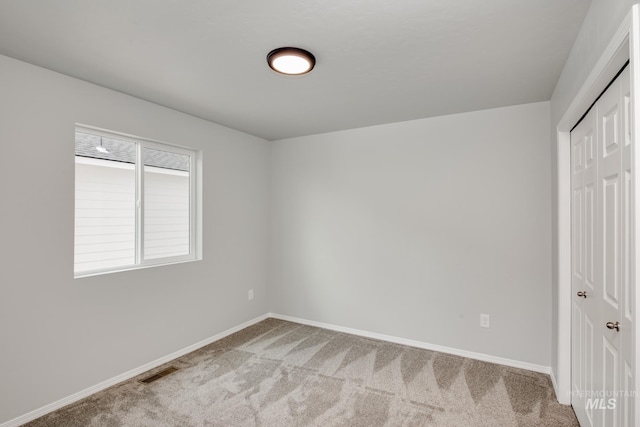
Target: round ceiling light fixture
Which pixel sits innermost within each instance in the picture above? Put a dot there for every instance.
(291, 61)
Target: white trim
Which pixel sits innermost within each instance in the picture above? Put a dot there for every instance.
(195, 202)
(610, 62)
(140, 200)
(563, 389)
(634, 52)
(93, 273)
(127, 375)
(418, 344)
(554, 382)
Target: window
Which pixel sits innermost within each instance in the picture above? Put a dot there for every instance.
(135, 203)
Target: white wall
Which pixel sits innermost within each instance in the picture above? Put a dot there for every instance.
(413, 229)
(59, 335)
(601, 22)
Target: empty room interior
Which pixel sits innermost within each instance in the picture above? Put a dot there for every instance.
(428, 220)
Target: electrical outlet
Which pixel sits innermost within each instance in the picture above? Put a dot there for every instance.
(485, 321)
(250, 295)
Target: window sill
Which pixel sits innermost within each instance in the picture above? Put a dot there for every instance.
(132, 268)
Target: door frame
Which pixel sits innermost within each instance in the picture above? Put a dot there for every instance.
(625, 45)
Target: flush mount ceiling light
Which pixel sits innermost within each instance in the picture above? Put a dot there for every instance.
(291, 60)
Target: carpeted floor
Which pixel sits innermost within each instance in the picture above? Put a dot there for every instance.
(278, 373)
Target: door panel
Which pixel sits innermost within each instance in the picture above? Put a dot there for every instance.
(589, 353)
(610, 374)
(610, 234)
(610, 126)
(602, 225)
(578, 234)
(626, 246)
(610, 129)
(589, 230)
(583, 234)
(626, 409)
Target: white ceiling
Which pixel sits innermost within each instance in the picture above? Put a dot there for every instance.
(378, 61)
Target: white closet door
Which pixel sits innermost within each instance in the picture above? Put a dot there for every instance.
(602, 214)
(585, 357)
(610, 114)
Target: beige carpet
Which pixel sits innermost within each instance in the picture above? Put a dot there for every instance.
(279, 373)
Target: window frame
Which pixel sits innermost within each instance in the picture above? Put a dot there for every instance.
(139, 172)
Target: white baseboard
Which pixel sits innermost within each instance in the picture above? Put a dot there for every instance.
(419, 344)
(23, 419)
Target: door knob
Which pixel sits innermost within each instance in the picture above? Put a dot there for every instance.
(612, 325)
(582, 294)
